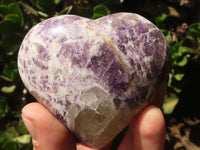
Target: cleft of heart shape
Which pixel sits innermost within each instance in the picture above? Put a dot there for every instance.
(94, 75)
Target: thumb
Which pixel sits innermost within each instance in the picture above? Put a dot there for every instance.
(47, 132)
(147, 131)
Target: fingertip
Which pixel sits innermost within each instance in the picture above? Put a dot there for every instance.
(151, 122)
(28, 117)
(46, 130)
(150, 126)
(146, 131)
(27, 111)
(83, 146)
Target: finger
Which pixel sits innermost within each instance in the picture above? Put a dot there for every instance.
(47, 132)
(147, 131)
(83, 146)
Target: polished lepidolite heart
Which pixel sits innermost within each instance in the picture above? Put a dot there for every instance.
(94, 75)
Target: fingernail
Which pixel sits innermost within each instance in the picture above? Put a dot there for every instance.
(28, 119)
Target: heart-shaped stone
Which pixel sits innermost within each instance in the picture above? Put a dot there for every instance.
(94, 75)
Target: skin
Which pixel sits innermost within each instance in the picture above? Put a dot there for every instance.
(146, 131)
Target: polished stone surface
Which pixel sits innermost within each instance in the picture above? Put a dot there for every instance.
(94, 75)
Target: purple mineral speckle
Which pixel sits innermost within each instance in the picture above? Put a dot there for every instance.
(44, 82)
(39, 64)
(122, 48)
(43, 53)
(140, 28)
(77, 52)
(148, 49)
(100, 64)
(116, 78)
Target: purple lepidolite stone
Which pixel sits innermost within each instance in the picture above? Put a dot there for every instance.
(94, 75)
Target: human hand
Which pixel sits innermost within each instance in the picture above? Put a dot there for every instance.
(146, 131)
